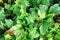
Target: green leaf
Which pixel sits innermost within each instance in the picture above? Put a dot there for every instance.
(7, 6)
(43, 8)
(45, 2)
(1, 0)
(2, 38)
(42, 15)
(2, 25)
(42, 11)
(33, 32)
(34, 2)
(43, 28)
(57, 36)
(9, 23)
(7, 37)
(55, 9)
(2, 15)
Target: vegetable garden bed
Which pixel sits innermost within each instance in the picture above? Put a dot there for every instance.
(29, 19)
